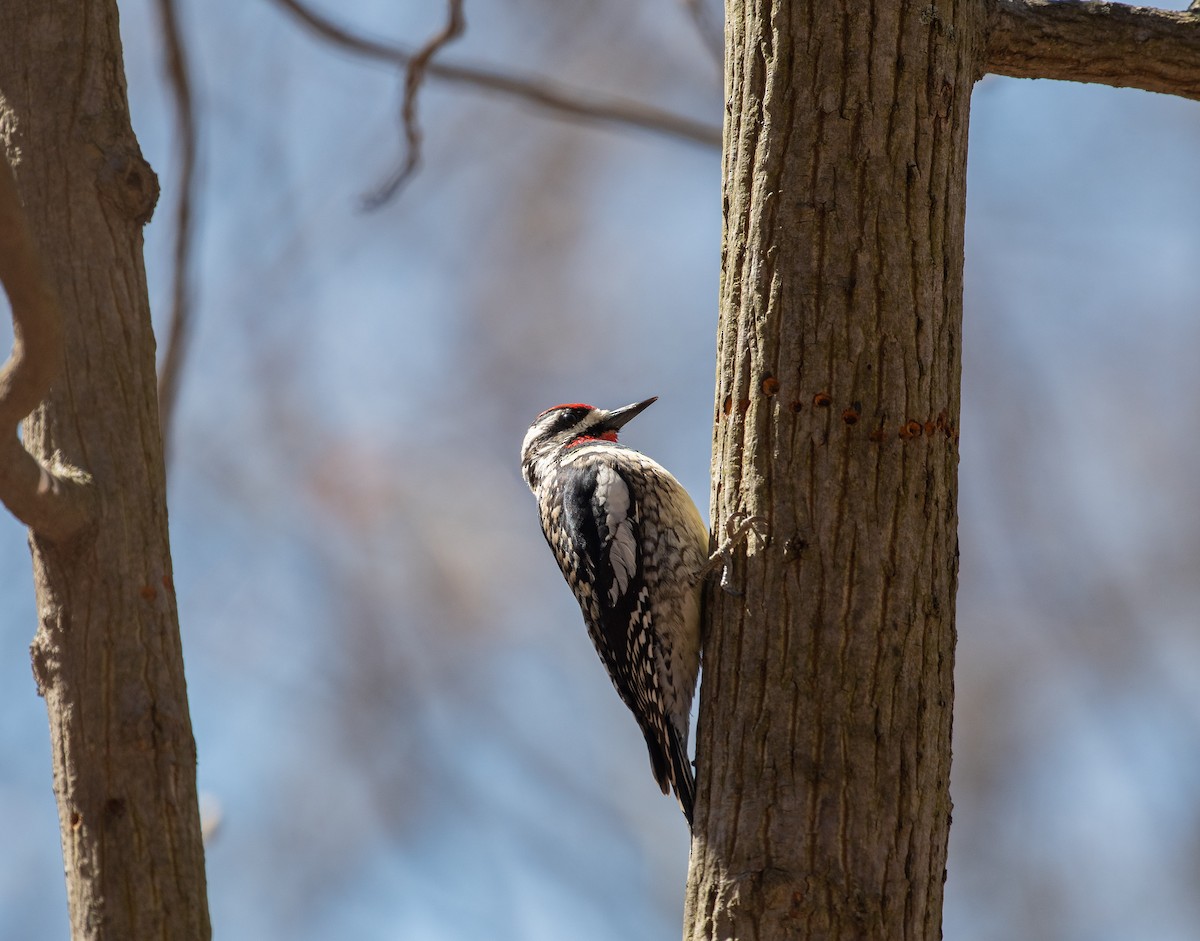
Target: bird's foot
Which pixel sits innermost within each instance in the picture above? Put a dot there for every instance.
(737, 531)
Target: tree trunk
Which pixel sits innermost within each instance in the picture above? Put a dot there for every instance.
(107, 654)
(824, 737)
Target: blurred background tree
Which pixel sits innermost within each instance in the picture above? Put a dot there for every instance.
(398, 716)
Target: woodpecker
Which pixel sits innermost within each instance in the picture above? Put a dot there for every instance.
(634, 550)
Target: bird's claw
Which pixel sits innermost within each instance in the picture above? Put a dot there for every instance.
(737, 530)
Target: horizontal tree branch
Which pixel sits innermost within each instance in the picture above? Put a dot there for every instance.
(1086, 41)
(566, 102)
(55, 503)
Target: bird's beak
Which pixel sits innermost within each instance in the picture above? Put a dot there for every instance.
(618, 417)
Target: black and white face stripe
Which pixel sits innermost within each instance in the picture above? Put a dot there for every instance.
(561, 426)
(562, 418)
(553, 430)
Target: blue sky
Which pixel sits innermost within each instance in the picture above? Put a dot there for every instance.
(396, 708)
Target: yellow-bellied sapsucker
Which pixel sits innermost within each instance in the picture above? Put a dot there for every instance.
(633, 548)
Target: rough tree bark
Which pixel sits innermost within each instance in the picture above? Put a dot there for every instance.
(823, 750)
(824, 743)
(106, 655)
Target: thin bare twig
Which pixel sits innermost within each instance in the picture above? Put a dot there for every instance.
(414, 77)
(53, 503)
(182, 295)
(1087, 41)
(562, 100)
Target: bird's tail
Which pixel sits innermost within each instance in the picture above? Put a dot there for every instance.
(682, 778)
(671, 766)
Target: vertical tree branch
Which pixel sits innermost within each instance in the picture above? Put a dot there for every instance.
(710, 30)
(55, 503)
(182, 294)
(37, 323)
(823, 747)
(107, 655)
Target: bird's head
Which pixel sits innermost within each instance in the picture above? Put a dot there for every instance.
(566, 426)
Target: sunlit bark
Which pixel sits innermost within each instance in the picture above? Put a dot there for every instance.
(824, 738)
(107, 655)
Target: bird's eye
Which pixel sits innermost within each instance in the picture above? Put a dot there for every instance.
(565, 419)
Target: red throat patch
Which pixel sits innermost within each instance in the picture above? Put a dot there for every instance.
(584, 439)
